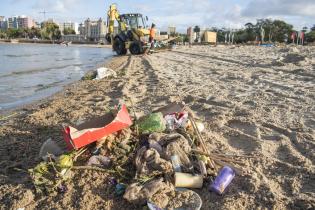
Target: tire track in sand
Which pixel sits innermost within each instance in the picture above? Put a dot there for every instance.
(140, 84)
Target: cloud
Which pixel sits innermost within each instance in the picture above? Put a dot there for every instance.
(231, 14)
(205, 13)
(15, 1)
(263, 8)
(55, 5)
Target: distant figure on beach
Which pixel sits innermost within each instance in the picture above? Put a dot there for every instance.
(302, 36)
(293, 35)
(152, 36)
(262, 34)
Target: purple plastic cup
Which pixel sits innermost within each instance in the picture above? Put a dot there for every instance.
(224, 178)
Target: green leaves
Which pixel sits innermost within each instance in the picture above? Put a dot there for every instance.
(51, 31)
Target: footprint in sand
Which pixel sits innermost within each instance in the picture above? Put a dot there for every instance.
(243, 143)
(244, 136)
(246, 127)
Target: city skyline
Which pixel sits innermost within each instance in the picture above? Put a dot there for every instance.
(206, 13)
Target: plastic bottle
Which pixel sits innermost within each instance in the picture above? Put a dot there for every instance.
(176, 163)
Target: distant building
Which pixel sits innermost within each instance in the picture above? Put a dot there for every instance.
(3, 23)
(171, 30)
(93, 30)
(160, 35)
(190, 34)
(73, 38)
(13, 22)
(69, 25)
(17, 22)
(25, 22)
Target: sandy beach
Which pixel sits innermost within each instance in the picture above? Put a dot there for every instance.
(255, 101)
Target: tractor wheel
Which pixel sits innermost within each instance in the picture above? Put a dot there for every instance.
(119, 47)
(135, 48)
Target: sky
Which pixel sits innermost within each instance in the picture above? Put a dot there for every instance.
(179, 13)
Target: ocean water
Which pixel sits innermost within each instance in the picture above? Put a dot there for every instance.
(29, 72)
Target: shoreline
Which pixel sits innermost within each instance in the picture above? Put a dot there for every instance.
(26, 109)
(4, 113)
(49, 43)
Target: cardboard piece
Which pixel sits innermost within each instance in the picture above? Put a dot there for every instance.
(96, 129)
(170, 108)
(210, 37)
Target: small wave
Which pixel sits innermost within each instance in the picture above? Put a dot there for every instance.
(64, 59)
(19, 56)
(13, 73)
(41, 87)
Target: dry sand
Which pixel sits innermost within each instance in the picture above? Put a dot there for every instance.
(254, 100)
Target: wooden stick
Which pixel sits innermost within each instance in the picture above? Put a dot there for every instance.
(214, 157)
(236, 169)
(234, 156)
(220, 162)
(211, 163)
(80, 152)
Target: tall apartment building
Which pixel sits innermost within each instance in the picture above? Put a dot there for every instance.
(93, 30)
(13, 22)
(69, 25)
(26, 22)
(171, 30)
(20, 22)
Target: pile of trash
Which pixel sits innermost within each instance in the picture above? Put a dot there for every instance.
(154, 160)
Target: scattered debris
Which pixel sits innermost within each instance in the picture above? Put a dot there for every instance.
(161, 151)
(90, 75)
(98, 160)
(49, 148)
(120, 189)
(139, 194)
(152, 123)
(96, 129)
(224, 178)
(104, 72)
(188, 180)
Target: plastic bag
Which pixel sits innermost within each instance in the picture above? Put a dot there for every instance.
(152, 123)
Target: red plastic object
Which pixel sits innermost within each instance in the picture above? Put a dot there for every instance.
(96, 129)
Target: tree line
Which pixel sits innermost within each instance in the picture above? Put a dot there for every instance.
(274, 31)
(49, 31)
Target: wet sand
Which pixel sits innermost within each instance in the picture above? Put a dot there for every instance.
(254, 101)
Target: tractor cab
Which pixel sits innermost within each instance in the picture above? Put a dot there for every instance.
(134, 22)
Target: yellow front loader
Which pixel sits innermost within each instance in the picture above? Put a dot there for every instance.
(133, 33)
